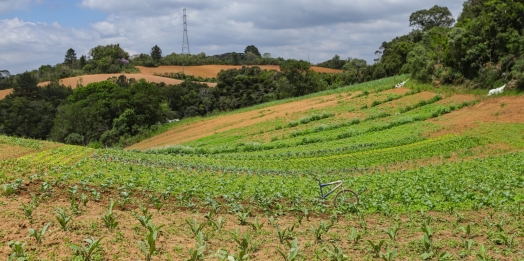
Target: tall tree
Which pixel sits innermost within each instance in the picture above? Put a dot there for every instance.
(26, 86)
(156, 53)
(70, 57)
(253, 49)
(435, 16)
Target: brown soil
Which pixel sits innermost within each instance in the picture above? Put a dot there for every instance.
(87, 79)
(207, 127)
(210, 71)
(4, 93)
(501, 109)
(175, 236)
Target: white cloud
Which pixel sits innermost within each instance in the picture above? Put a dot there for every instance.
(285, 28)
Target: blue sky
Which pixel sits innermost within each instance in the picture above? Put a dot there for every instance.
(65, 12)
(39, 32)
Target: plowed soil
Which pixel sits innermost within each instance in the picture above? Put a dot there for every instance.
(87, 79)
(4, 93)
(209, 71)
(501, 109)
(208, 127)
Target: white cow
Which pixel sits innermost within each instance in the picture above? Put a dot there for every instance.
(399, 85)
(497, 90)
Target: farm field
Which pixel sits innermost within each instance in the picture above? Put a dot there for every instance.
(440, 176)
(209, 71)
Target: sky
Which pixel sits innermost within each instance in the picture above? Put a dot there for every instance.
(39, 32)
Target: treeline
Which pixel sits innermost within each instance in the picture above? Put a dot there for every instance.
(112, 112)
(483, 49)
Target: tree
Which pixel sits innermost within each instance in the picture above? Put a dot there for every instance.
(253, 49)
(26, 86)
(82, 61)
(435, 16)
(70, 57)
(156, 53)
(355, 65)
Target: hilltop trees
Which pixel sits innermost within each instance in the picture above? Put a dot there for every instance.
(435, 16)
(252, 49)
(70, 57)
(156, 53)
(107, 59)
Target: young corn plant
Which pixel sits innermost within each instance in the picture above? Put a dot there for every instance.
(335, 253)
(195, 227)
(242, 218)
(467, 230)
(243, 245)
(87, 251)
(75, 208)
(197, 254)
(392, 231)
(17, 251)
(322, 229)
(293, 252)
(109, 219)
(375, 248)
(84, 198)
(218, 224)
(257, 226)
(285, 234)
(28, 211)
(63, 218)
(389, 255)
(38, 235)
(148, 246)
(355, 235)
(124, 200)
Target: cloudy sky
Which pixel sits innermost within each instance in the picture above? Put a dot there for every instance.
(38, 32)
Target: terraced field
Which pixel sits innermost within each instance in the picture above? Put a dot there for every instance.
(439, 177)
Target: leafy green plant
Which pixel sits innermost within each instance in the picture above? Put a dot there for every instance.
(195, 227)
(355, 236)
(389, 255)
(12, 188)
(285, 234)
(84, 198)
(322, 229)
(375, 248)
(198, 253)
(63, 218)
(293, 252)
(335, 253)
(148, 246)
(38, 235)
(243, 245)
(109, 219)
(242, 218)
(256, 225)
(392, 231)
(218, 224)
(17, 251)
(88, 250)
(28, 211)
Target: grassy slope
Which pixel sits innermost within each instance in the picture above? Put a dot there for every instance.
(397, 163)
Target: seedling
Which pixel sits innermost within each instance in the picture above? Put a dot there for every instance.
(18, 252)
(389, 255)
(293, 253)
(39, 235)
(63, 218)
(335, 253)
(218, 224)
(109, 220)
(86, 251)
(375, 248)
(198, 253)
(84, 199)
(195, 227)
(322, 229)
(242, 218)
(257, 226)
(28, 211)
(355, 236)
(148, 246)
(393, 231)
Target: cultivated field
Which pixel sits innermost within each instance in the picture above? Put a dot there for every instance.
(439, 177)
(210, 71)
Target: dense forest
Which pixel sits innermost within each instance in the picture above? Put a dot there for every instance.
(483, 48)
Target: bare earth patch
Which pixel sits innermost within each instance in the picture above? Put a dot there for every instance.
(210, 71)
(501, 109)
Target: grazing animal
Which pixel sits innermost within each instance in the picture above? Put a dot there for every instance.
(399, 85)
(497, 90)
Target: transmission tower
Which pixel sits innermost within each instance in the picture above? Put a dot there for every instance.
(185, 41)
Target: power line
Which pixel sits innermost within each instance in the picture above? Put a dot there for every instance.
(185, 41)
